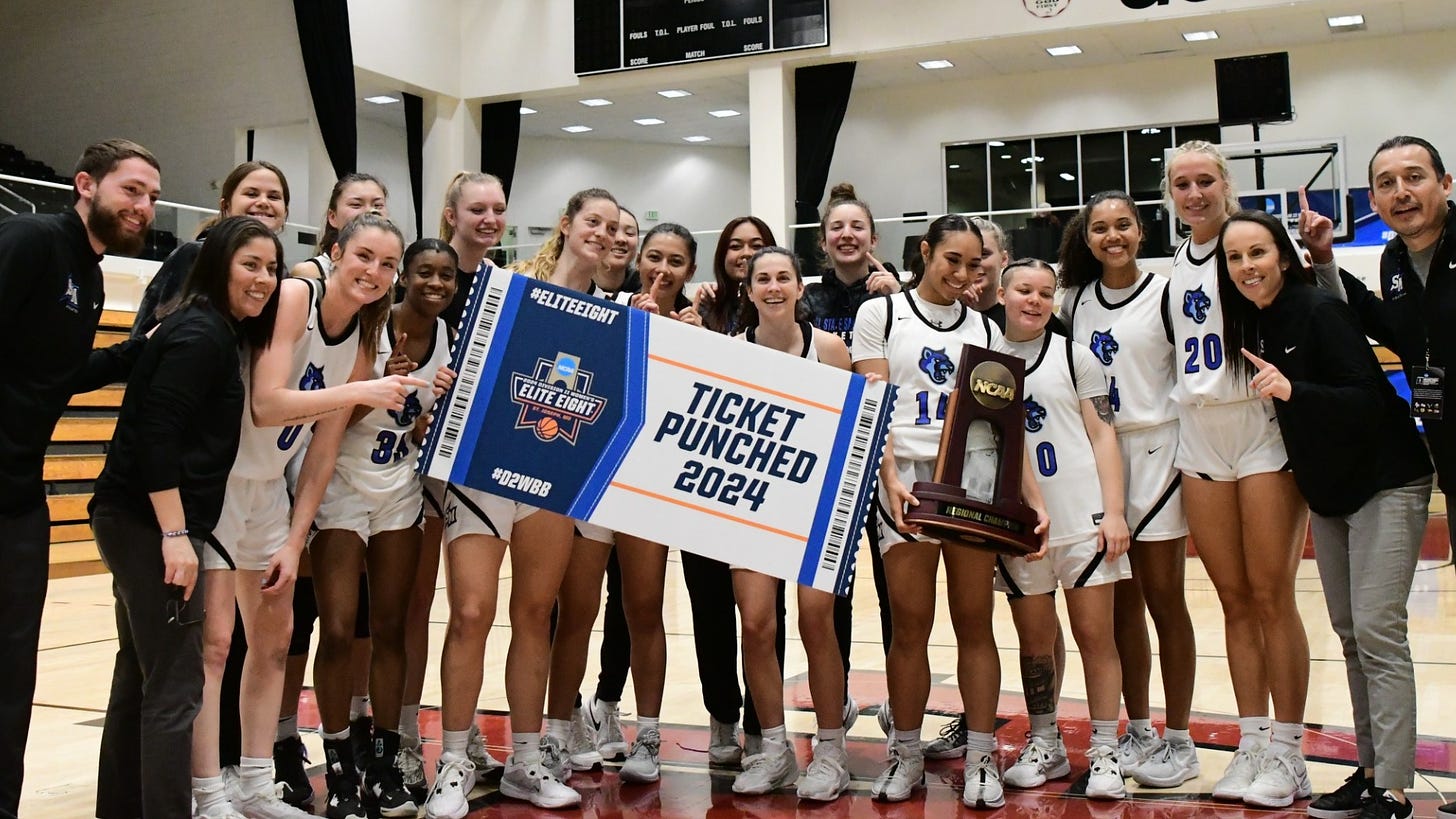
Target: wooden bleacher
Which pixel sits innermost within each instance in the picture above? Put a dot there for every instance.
(74, 460)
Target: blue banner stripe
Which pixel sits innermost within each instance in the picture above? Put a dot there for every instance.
(634, 414)
(486, 391)
(834, 476)
(867, 489)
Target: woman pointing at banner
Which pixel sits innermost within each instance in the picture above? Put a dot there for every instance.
(914, 339)
(774, 316)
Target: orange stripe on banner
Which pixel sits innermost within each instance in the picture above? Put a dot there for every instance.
(713, 512)
(806, 402)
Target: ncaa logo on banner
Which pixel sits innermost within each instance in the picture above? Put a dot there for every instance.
(1046, 8)
(556, 398)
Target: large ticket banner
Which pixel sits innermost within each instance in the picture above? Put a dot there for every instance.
(654, 428)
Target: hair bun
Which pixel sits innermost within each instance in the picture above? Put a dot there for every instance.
(842, 192)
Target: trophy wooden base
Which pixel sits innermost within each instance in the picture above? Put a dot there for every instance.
(945, 512)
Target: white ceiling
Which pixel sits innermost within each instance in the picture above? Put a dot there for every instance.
(1246, 32)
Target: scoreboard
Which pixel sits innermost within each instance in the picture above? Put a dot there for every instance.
(617, 35)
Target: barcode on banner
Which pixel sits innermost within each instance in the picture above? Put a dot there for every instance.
(840, 535)
(467, 381)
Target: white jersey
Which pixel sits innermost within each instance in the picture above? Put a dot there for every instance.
(1130, 336)
(1059, 374)
(378, 455)
(922, 343)
(318, 362)
(1202, 360)
(808, 353)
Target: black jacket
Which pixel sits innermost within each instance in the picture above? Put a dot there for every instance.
(1412, 316)
(51, 296)
(1348, 434)
(833, 304)
(180, 420)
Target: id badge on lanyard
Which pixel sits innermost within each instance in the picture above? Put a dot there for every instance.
(1428, 391)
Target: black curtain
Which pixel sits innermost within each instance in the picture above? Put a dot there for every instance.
(821, 96)
(500, 138)
(328, 60)
(414, 140)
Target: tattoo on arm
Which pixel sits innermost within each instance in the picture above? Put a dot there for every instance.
(1103, 405)
(1039, 680)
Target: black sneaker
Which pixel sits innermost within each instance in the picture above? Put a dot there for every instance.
(1446, 811)
(345, 800)
(1346, 801)
(290, 772)
(1386, 807)
(385, 788)
(361, 740)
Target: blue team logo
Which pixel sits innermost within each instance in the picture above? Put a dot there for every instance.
(1035, 415)
(1196, 304)
(936, 364)
(1104, 346)
(71, 299)
(411, 412)
(313, 377)
(556, 399)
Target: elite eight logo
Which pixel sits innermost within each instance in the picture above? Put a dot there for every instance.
(555, 399)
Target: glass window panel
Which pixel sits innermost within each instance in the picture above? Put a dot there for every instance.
(1207, 131)
(1011, 176)
(1056, 174)
(1145, 148)
(965, 179)
(1103, 166)
(1155, 232)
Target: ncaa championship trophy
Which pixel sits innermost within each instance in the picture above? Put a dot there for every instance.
(988, 388)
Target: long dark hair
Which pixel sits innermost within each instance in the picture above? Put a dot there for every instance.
(329, 235)
(207, 282)
(1240, 316)
(748, 312)
(934, 235)
(720, 314)
(1075, 257)
(230, 185)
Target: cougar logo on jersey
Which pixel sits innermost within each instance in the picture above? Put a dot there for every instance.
(313, 377)
(412, 409)
(1196, 304)
(936, 364)
(1035, 415)
(1104, 346)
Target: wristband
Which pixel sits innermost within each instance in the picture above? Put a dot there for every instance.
(178, 533)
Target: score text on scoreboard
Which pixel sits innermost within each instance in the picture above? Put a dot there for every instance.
(627, 34)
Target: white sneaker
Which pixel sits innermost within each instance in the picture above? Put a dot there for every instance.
(1039, 761)
(828, 773)
(983, 781)
(554, 757)
(535, 784)
(951, 743)
(450, 797)
(851, 712)
(1133, 749)
(606, 721)
(886, 720)
(266, 805)
(486, 766)
(773, 769)
(411, 764)
(642, 764)
(222, 810)
(1170, 766)
(901, 777)
(1282, 778)
(582, 747)
(723, 748)
(752, 746)
(1239, 774)
(1104, 777)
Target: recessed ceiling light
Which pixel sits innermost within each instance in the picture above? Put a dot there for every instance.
(649, 121)
(576, 129)
(1064, 51)
(995, 143)
(1006, 156)
(954, 167)
(1152, 131)
(723, 112)
(674, 93)
(1347, 21)
(698, 138)
(525, 110)
(933, 65)
(1068, 177)
(381, 99)
(1157, 158)
(595, 102)
(1199, 36)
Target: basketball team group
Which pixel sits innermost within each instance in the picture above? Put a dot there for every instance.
(261, 486)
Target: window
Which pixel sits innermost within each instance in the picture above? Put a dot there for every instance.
(1012, 172)
(965, 178)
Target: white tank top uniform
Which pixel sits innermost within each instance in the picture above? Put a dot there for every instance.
(255, 514)
(1130, 334)
(922, 343)
(375, 487)
(1060, 373)
(1225, 431)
